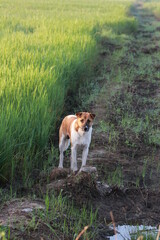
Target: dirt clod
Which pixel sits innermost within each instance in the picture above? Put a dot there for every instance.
(58, 173)
(81, 185)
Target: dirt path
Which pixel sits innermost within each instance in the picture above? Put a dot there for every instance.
(125, 147)
(134, 150)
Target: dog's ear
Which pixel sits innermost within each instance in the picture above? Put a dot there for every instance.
(79, 114)
(92, 115)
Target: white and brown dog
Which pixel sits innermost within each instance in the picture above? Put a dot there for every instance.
(75, 129)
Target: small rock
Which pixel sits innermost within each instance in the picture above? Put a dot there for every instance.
(89, 169)
(27, 210)
(103, 189)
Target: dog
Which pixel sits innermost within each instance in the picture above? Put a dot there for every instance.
(75, 130)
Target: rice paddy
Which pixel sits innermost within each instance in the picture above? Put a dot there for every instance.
(47, 49)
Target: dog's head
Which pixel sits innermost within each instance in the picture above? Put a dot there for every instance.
(85, 120)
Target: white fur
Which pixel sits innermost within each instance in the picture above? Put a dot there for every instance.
(81, 137)
(77, 139)
(64, 144)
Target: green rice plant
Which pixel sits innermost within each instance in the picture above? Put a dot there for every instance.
(48, 49)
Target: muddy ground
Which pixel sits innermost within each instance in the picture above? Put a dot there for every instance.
(128, 172)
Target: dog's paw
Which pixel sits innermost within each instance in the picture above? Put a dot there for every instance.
(74, 172)
(60, 167)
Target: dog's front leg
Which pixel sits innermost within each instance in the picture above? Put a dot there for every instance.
(84, 155)
(74, 158)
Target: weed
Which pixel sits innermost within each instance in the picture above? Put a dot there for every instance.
(146, 234)
(61, 215)
(33, 224)
(116, 177)
(3, 231)
(47, 203)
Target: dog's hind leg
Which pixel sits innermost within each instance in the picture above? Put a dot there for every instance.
(63, 145)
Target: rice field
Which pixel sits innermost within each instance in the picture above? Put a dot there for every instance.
(47, 48)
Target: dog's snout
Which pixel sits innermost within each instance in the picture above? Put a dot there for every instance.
(86, 128)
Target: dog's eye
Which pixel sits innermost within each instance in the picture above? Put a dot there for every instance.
(82, 120)
(88, 121)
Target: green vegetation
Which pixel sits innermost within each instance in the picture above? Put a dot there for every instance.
(153, 6)
(131, 124)
(2, 235)
(61, 215)
(50, 55)
(59, 220)
(47, 50)
(144, 234)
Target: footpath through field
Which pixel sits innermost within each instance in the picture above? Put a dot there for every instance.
(126, 139)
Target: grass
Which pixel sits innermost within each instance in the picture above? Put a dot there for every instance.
(126, 126)
(60, 213)
(48, 50)
(60, 219)
(131, 96)
(145, 235)
(153, 6)
(2, 235)
(115, 177)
